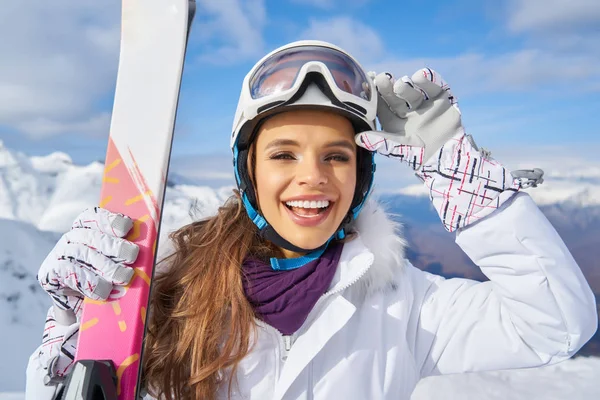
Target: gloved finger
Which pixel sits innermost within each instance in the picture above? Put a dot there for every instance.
(405, 89)
(387, 118)
(384, 82)
(430, 81)
(102, 220)
(69, 277)
(385, 143)
(117, 249)
(68, 303)
(64, 317)
(96, 263)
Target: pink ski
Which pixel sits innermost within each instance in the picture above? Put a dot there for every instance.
(153, 43)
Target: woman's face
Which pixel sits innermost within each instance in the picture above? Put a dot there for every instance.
(305, 174)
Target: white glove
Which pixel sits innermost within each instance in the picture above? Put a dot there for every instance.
(422, 126)
(86, 262)
(419, 111)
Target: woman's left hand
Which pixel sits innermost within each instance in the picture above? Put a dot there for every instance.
(422, 126)
(419, 112)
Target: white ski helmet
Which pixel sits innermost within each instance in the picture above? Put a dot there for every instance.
(303, 74)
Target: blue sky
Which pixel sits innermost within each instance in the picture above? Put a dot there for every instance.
(526, 72)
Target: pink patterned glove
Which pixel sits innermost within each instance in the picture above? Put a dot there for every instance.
(422, 126)
(86, 262)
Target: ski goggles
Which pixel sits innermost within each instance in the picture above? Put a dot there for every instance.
(279, 77)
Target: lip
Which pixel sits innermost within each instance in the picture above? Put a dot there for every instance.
(308, 221)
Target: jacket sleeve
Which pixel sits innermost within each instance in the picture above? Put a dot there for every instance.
(35, 389)
(536, 309)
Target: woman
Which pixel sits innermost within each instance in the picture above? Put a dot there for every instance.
(298, 287)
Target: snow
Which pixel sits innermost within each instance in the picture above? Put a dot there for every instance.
(41, 196)
(23, 303)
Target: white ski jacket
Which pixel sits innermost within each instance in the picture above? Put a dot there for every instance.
(384, 324)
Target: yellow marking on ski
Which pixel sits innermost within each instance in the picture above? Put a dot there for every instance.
(126, 363)
(87, 300)
(105, 201)
(112, 165)
(143, 315)
(137, 198)
(135, 232)
(107, 169)
(116, 307)
(139, 272)
(89, 324)
(122, 326)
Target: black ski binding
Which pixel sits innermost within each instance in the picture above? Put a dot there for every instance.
(90, 380)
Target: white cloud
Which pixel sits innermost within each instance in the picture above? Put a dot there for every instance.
(553, 15)
(551, 58)
(358, 39)
(97, 124)
(58, 59)
(518, 71)
(536, 66)
(566, 31)
(235, 25)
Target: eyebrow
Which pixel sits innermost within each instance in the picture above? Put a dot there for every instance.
(288, 142)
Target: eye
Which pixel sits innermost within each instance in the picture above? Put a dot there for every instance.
(338, 158)
(282, 156)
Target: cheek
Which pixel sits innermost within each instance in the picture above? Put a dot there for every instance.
(268, 183)
(345, 179)
(349, 185)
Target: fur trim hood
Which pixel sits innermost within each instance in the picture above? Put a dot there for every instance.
(383, 238)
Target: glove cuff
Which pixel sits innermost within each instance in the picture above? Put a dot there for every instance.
(59, 344)
(465, 184)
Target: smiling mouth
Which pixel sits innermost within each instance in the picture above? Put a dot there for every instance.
(308, 209)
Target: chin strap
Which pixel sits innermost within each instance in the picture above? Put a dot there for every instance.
(287, 264)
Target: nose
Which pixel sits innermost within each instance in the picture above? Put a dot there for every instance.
(311, 172)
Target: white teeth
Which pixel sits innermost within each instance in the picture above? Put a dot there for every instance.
(308, 204)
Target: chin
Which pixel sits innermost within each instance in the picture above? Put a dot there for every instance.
(306, 233)
(309, 241)
(309, 233)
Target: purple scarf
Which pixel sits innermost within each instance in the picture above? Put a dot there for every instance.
(283, 299)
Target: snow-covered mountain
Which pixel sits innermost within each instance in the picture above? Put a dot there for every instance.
(41, 196)
(23, 303)
(559, 187)
(39, 199)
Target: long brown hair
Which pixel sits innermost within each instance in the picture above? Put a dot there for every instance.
(200, 323)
